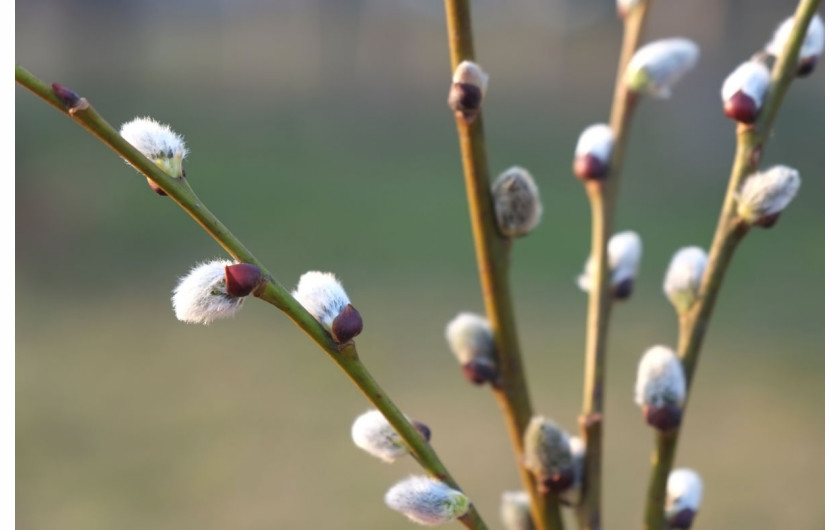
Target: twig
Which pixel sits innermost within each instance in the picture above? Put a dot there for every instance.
(730, 231)
(602, 198)
(345, 355)
(492, 253)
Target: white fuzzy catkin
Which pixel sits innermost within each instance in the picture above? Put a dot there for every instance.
(573, 495)
(767, 193)
(685, 272)
(515, 511)
(470, 338)
(427, 501)
(684, 491)
(201, 297)
(321, 294)
(546, 448)
(373, 434)
(157, 142)
(656, 67)
(813, 45)
(660, 379)
(751, 78)
(471, 73)
(596, 140)
(624, 252)
(516, 201)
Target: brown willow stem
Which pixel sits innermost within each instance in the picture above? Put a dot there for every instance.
(492, 254)
(602, 199)
(729, 233)
(273, 292)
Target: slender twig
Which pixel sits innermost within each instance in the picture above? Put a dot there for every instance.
(602, 198)
(492, 253)
(730, 231)
(345, 355)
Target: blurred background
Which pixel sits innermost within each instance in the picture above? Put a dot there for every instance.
(320, 135)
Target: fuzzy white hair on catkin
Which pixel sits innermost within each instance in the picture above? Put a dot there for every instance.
(322, 295)
(200, 297)
(153, 139)
(660, 378)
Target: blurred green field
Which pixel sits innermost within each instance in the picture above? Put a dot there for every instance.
(320, 135)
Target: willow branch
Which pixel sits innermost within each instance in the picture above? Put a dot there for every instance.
(602, 198)
(492, 254)
(345, 355)
(729, 233)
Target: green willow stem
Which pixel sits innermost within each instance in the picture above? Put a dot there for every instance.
(729, 233)
(602, 199)
(492, 253)
(345, 355)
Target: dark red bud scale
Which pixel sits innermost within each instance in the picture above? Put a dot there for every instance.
(741, 108)
(480, 372)
(68, 97)
(590, 167)
(623, 290)
(423, 429)
(347, 324)
(665, 418)
(465, 100)
(557, 483)
(682, 520)
(242, 278)
(806, 66)
(768, 221)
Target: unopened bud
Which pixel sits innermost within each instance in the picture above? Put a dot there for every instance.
(593, 152)
(573, 495)
(158, 143)
(682, 281)
(661, 388)
(547, 455)
(373, 434)
(427, 501)
(516, 201)
(515, 511)
(68, 97)
(656, 67)
(321, 294)
(201, 296)
(242, 278)
(469, 87)
(470, 338)
(624, 252)
(812, 46)
(744, 90)
(765, 195)
(684, 495)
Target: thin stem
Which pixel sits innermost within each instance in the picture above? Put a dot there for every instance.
(345, 355)
(729, 233)
(492, 254)
(602, 200)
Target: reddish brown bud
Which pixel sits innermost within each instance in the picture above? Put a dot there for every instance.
(741, 107)
(465, 100)
(623, 290)
(807, 65)
(241, 279)
(155, 188)
(557, 483)
(589, 167)
(480, 371)
(68, 97)
(347, 324)
(423, 429)
(682, 520)
(768, 221)
(665, 418)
